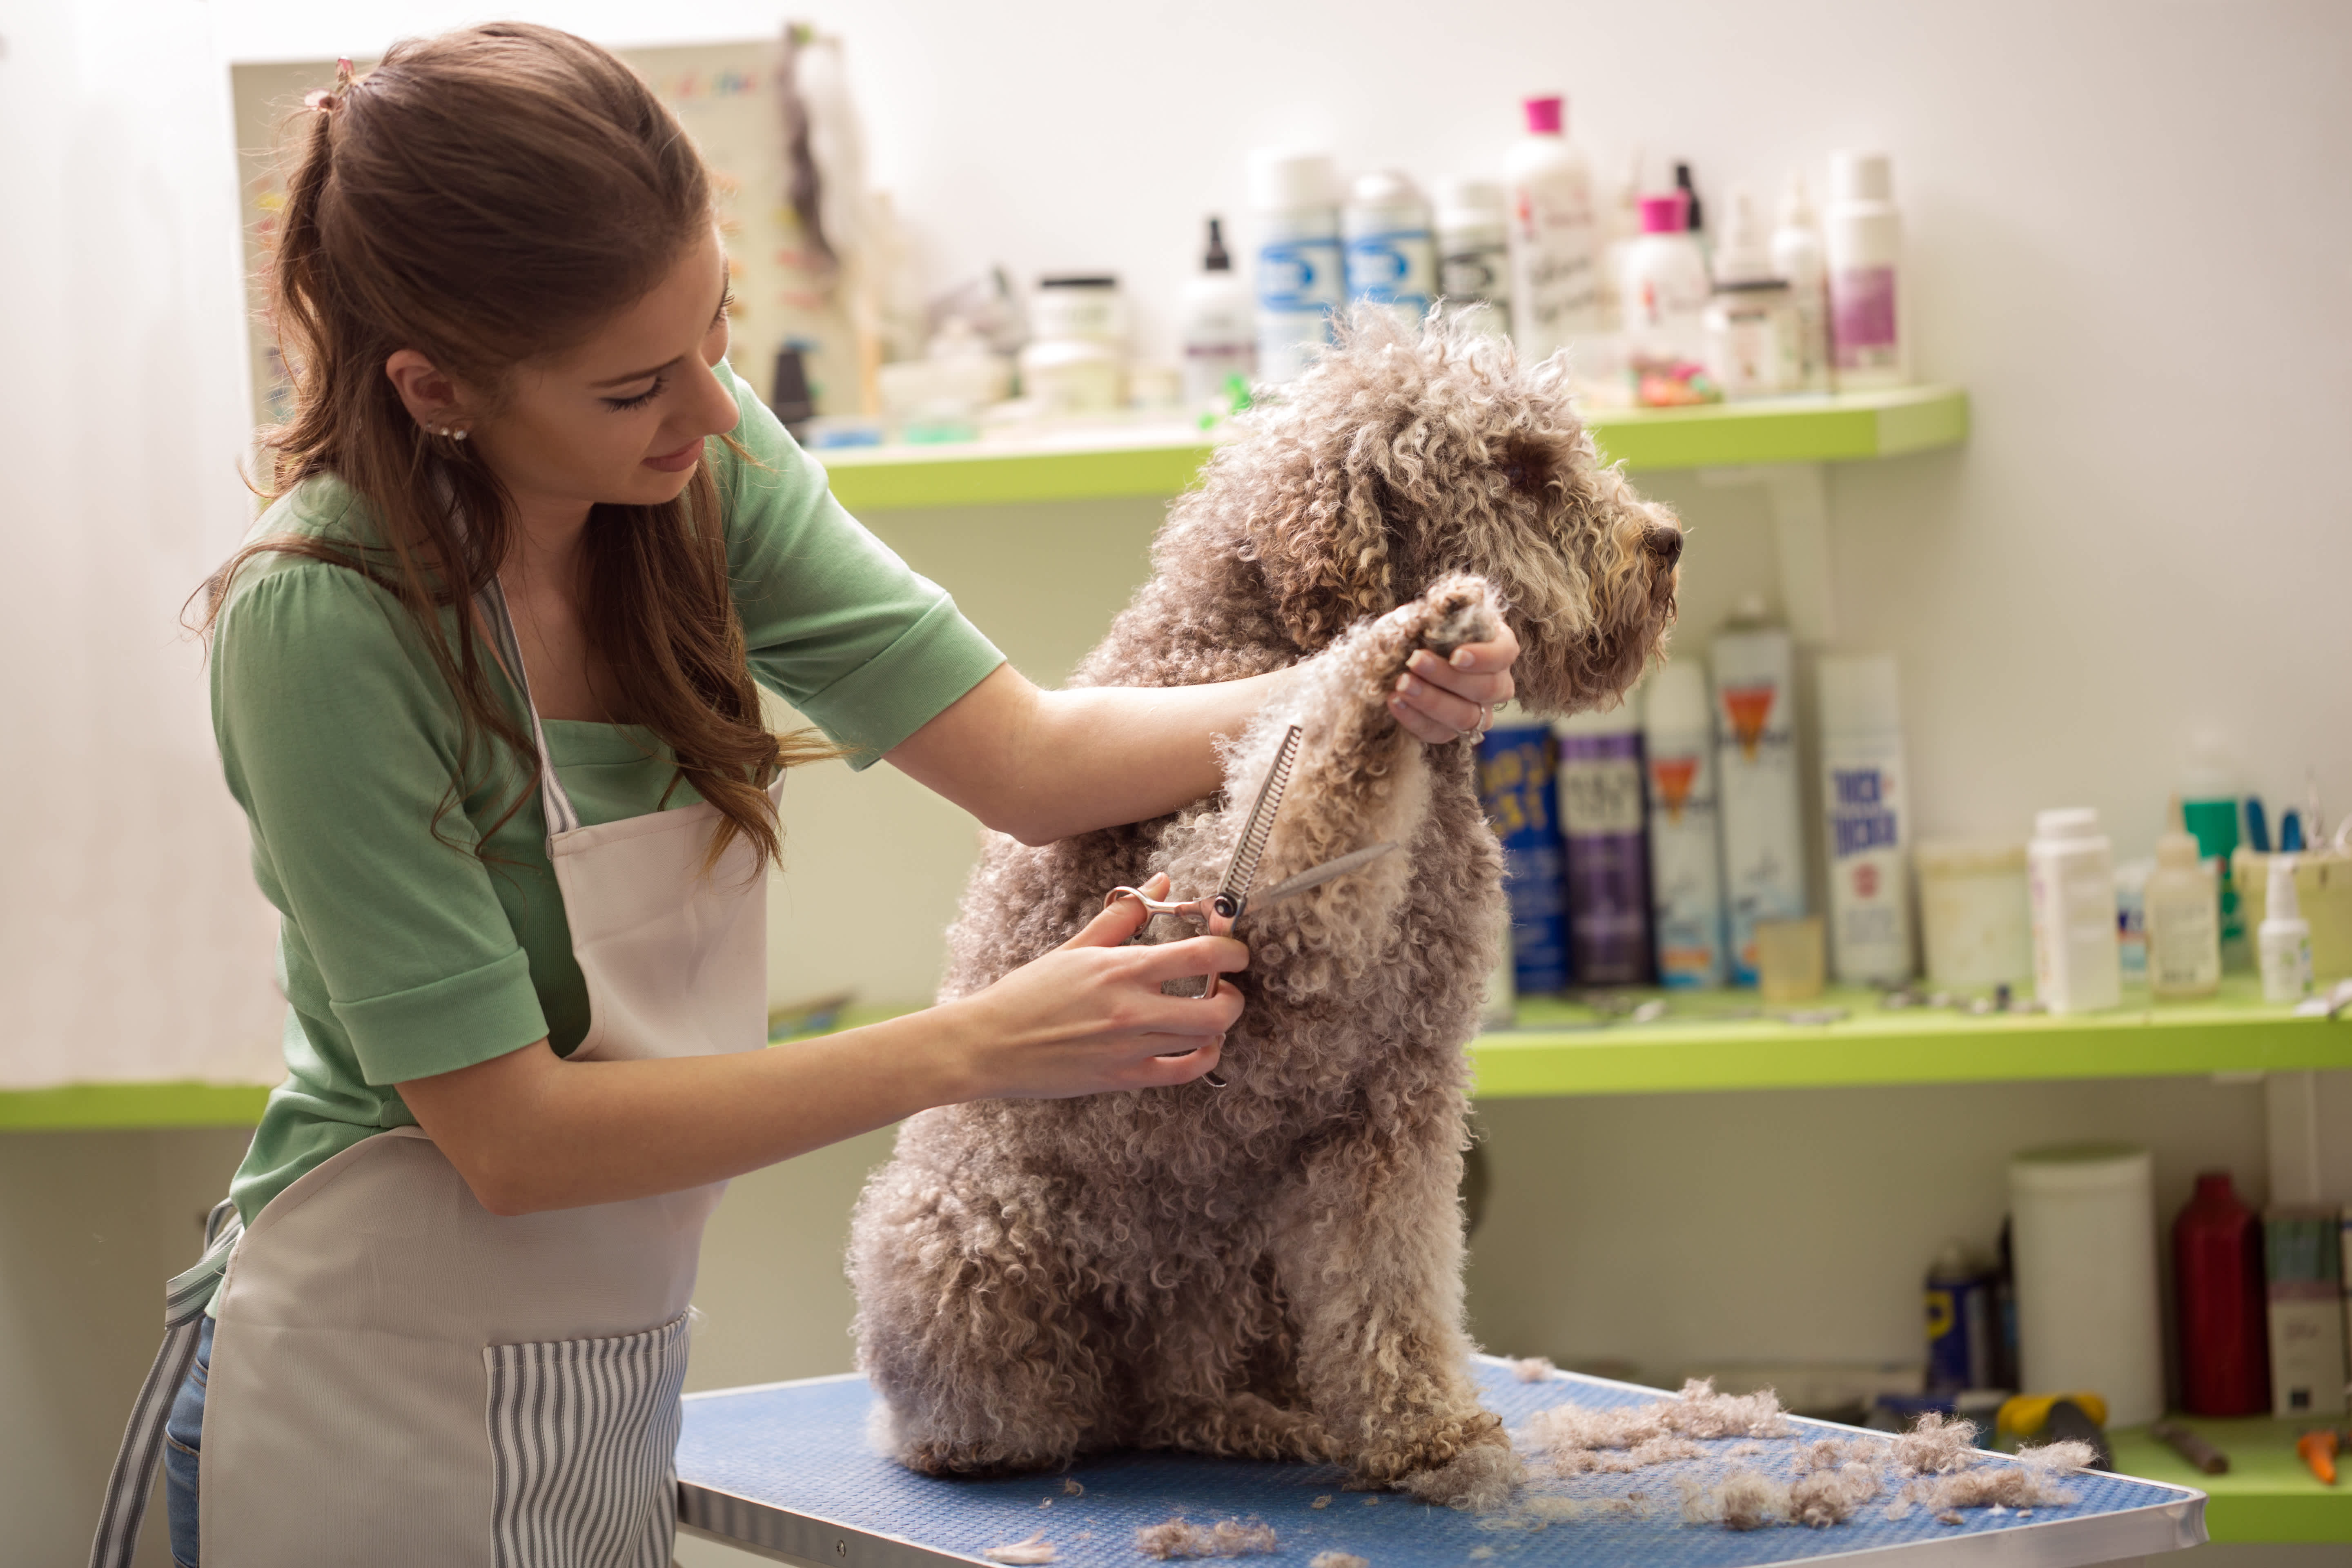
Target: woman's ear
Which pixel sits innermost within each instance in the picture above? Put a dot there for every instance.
(432, 399)
(1324, 548)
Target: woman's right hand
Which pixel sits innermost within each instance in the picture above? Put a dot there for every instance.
(1089, 1016)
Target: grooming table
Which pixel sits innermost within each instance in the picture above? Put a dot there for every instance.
(788, 1470)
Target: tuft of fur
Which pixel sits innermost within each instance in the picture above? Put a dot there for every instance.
(1338, 1559)
(1534, 1369)
(1937, 1446)
(2031, 1482)
(1745, 1499)
(1227, 1537)
(1022, 1554)
(1826, 1496)
(1654, 1434)
(1272, 1270)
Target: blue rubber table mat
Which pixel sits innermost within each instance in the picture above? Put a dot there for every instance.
(788, 1469)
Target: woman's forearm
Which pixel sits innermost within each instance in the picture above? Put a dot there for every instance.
(1042, 765)
(531, 1131)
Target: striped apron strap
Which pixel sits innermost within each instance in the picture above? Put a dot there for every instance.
(143, 1440)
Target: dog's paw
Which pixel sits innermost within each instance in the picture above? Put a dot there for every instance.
(1457, 609)
(1477, 1479)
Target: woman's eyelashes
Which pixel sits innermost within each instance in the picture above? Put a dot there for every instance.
(622, 404)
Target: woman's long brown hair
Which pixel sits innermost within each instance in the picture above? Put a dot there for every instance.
(486, 197)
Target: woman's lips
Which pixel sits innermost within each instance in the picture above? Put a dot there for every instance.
(685, 458)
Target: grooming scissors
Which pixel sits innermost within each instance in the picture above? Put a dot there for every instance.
(1222, 909)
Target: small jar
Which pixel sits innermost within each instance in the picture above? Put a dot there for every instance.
(1754, 347)
(1088, 308)
(1973, 909)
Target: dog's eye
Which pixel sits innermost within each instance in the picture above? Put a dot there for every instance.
(1525, 468)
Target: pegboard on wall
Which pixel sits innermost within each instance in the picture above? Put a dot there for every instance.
(726, 95)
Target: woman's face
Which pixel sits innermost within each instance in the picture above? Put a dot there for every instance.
(621, 418)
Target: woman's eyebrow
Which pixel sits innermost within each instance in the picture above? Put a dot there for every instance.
(641, 374)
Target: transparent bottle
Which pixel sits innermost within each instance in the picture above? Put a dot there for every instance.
(2183, 905)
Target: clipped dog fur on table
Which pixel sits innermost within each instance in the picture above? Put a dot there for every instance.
(1272, 1270)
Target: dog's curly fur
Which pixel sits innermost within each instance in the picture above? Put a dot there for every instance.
(1274, 1269)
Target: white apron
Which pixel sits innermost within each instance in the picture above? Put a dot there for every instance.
(399, 1375)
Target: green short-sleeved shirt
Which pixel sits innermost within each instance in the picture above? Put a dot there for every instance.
(406, 953)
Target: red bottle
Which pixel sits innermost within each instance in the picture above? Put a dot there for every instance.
(2217, 1264)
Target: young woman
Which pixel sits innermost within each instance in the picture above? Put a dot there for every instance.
(486, 685)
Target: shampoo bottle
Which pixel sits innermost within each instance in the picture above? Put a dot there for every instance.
(2070, 882)
(1868, 821)
(1799, 260)
(2284, 936)
(1685, 849)
(1300, 275)
(1555, 236)
(1219, 329)
(1865, 247)
(1474, 262)
(1600, 798)
(1392, 257)
(1756, 757)
(2182, 917)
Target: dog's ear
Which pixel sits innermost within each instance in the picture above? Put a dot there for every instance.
(1322, 541)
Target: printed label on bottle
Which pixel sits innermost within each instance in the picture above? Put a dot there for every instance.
(1556, 283)
(1299, 276)
(2184, 941)
(1469, 272)
(1862, 317)
(1396, 267)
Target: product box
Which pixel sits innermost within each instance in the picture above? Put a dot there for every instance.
(2303, 1256)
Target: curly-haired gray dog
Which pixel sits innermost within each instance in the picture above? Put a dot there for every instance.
(1274, 1269)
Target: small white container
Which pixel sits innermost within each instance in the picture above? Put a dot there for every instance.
(1972, 908)
(2182, 905)
(1299, 273)
(2284, 939)
(2083, 1243)
(1090, 307)
(1074, 376)
(1863, 235)
(2071, 882)
(1392, 254)
(1753, 348)
(1473, 257)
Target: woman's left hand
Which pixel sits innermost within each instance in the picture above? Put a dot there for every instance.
(1442, 702)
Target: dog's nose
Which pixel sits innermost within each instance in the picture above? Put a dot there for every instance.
(1665, 543)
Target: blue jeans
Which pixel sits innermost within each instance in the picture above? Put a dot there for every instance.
(183, 1437)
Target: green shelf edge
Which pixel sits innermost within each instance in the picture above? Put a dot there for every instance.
(2268, 1496)
(1560, 1049)
(1830, 429)
(95, 1106)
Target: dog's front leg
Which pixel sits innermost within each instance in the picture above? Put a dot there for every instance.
(1372, 1261)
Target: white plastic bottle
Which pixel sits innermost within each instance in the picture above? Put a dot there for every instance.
(1300, 277)
(1555, 236)
(1754, 673)
(1685, 846)
(2284, 937)
(1665, 287)
(1391, 255)
(1867, 826)
(1473, 259)
(1863, 246)
(2183, 919)
(1799, 261)
(1752, 349)
(2070, 881)
(1218, 327)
